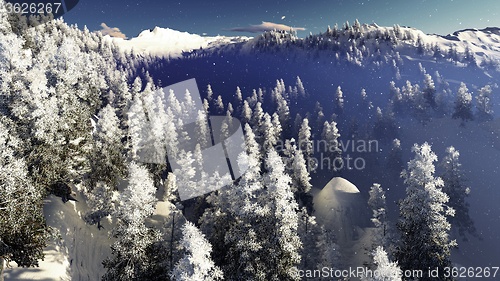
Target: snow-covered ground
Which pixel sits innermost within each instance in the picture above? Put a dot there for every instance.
(77, 250)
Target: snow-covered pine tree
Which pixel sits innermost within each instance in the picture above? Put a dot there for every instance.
(455, 187)
(267, 132)
(484, 104)
(202, 130)
(246, 113)
(278, 128)
(385, 128)
(429, 91)
(138, 131)
(423, 226)
(296, 124)
(283, 112)
(286, 244)
(196, 265)
(241, 232)
(23, 232)
(253, 99)
(219, 105)
(300, 87)
(210, 93)
(258, 116)
(395, 158)
(386, 269)
(296, 167)
(238, 97)
(100, 202)
(107, 161)
(300, 175)
(339, 101)
(331, 136)
(311, 233)
(305, 143)
(379, 207)
(132, 255)
(463, 104)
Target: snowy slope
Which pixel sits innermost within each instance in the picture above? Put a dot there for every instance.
(165, 42)
(484, 44)
(78, 249)
(79, 252)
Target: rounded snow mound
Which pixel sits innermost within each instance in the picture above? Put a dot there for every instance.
(339, 184)
(338, 195)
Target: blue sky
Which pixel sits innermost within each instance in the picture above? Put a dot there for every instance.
(216, 17)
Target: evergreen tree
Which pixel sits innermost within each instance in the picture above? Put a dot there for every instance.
(484, 104)
(423, 225)
(296, 167)
(331, 136)
(100, 202)
(395, 158)
(238, 96)
(284, 223)
(379, 207)
(429, 91)
(339, 100)
(297, 123)
(107, 162)
(138, 131)
(268, 134)
(311, 233)
(196, 263)
(258, 116)
(23, 232)
(463, 104)
(210, 93)
(283, 112)
(386, 270)
(203, 130)
(300, 87)
(246, 113)
(132, 252)
(455, 187)
(305, 142)
(219, 105)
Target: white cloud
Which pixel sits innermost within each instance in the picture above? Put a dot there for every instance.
(265, 26)
(112, 31)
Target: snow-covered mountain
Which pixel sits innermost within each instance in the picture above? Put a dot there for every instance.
(166, 42)
(482, 44)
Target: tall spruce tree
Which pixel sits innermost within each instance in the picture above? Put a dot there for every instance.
(456, 188)
(132, 251)
(423, 226)
(23, 232)
(463, 104)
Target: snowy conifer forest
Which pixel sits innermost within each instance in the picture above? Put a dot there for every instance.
(367, 153)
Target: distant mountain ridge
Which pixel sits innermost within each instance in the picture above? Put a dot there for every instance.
(479, 46)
